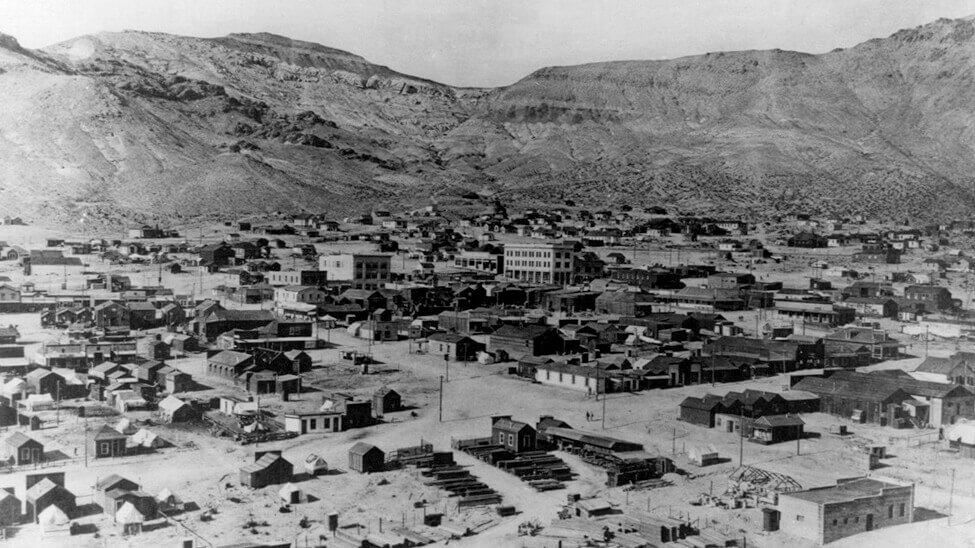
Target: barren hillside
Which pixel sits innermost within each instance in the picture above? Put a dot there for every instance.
(139, 125)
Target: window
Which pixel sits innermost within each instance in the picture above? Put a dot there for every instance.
(800, 518)
(856, 519)
(846, 520)
(511, 439)
(501, 438)
(835, 522)
(902, 510)
(890, 511)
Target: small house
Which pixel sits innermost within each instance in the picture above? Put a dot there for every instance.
(23, 449)
(108, 443)
(513, 435)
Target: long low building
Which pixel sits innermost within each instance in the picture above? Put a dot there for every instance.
(826, 514)
(829, 314)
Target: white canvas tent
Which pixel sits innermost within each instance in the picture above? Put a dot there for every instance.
(130, 518)
(315, 465)
(54, 521)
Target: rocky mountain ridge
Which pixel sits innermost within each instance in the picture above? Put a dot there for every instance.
(137, 126)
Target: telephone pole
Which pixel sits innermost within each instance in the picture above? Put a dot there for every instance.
(441, 399)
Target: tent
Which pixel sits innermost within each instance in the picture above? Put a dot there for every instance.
(148, 440)
(14, 387)
(315, 465)
(54, 521)
(124, 426)
(292, 494)
(168, 501)
(131, 519)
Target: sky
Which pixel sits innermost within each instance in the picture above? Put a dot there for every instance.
(493, 42)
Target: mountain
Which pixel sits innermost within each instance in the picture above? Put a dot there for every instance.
(147, 126)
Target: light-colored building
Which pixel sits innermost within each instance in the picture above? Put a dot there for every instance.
(363, 271)
(315, 278)
(850, 507)
(549, 263)
(299, 294)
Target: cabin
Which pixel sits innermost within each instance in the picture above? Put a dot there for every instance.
(268, 468)
(108, 443)
(366, 458)
(24, 450)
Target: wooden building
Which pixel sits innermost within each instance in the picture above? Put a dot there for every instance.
(366, 458)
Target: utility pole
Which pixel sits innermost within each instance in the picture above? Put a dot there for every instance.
(951, 495)
(741, 436)
(441, 399)
(57, 414)
(604, 410)
(446, 366)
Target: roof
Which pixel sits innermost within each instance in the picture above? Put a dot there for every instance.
(843, 492)
(509, 425)
(266, 460)
(525, 332)
(588, 438)
(110, 481)
(962, 432)
(41, 488)
(171, 403)
(128, 513)
(451, 338)
(775, 421)
(18, 439)
(362, 448)
(230, 357)
(108, 433)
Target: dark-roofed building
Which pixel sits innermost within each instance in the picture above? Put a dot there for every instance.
(826, 514)
(229, 363)
(863, 402)
(769, 429)
(934, 297)
(268, 468)
(48, 493)
(24, 449)
(625, 303)
(582, 441)
(386, 400)
(366, 458)
(514, 435)
(533, 340)
(458, 347)
(108, 443)
(701, 410)
(959, 368)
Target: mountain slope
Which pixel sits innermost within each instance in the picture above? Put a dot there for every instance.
(145, 125)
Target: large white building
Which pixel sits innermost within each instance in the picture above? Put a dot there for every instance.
(548, 263)
(362, 271)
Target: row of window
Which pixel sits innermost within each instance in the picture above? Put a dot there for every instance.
(538, 264)
(539, 254)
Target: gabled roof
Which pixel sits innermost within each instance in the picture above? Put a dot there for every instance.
(107, 433)
(171, 403)
(361, 448)
(230, 358)
(110, 481)
(778, 420)
(19, 439)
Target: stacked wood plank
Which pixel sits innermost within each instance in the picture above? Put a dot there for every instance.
(541, 470)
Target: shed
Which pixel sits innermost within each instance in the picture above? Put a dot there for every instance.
(9, 509)
(366, 458)
(46, 493)
(386, 400)
(292, 494)
(167, 501)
